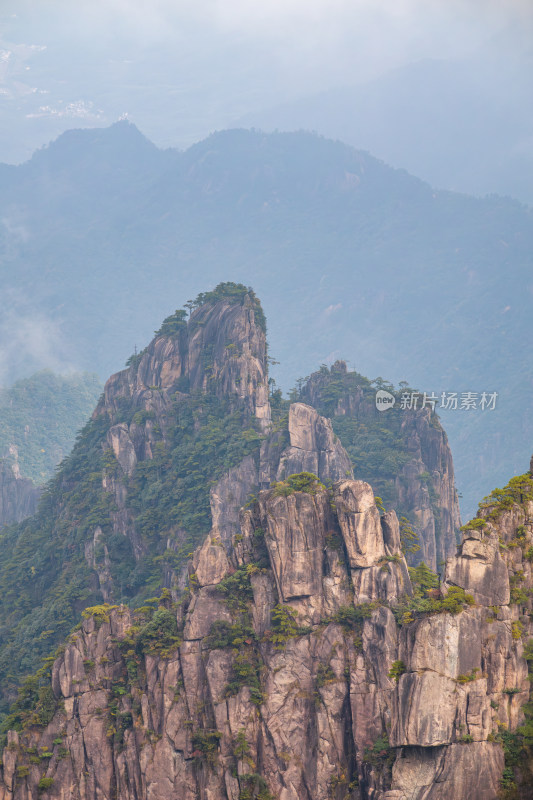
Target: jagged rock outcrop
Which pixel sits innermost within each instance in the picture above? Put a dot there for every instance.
(220, 351)
(295, 734)
(222, 348)
(290, 676)
(291, 656)
(18, 496)
(426, 487)
(480, 567)
(313, 447)
(423, 485)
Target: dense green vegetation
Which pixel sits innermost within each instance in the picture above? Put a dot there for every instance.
(173, 324)
(518, 746)
(352, 618)
(518, 490)
(285, 625)
(397, 670)
(35, 704)
(41, 416)
(45, 578)
(172, 489)
(375, 441)
(159, 635)
(224, 634)
(409, 538)
(236, 589)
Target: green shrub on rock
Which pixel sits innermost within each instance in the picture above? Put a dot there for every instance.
(159, 635)
(397, 669)
(284, 626)
(427, 597)
(299, 482)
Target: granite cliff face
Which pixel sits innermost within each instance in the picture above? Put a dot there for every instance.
(419, 483)
(219, 353)
(179, 441)
(222, 348)
(293, 655)
(290, 673)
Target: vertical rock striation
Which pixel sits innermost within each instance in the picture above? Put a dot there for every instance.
(18, 496)
(291, 673)
(405, 451)
(221, 349)
(294, 656)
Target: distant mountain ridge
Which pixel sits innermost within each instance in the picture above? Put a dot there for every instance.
(353, 260)
(463, 125)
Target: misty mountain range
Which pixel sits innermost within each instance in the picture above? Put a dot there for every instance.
(461, 121)
(463, 125)
(103, 234)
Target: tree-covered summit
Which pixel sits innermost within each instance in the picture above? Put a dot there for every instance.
(227, 290)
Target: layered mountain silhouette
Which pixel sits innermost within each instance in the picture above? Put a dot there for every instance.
(353, 260)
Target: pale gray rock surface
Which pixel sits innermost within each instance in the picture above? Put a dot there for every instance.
(425, 485)
(313, 447)
(329, 720)
(287, 677)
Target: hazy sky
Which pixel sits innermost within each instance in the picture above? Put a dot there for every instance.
(182, 68)
(324, 40)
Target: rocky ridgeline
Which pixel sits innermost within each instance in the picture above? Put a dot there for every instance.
(293, 656)
(300, 665)
(222, 350)
(424, 485)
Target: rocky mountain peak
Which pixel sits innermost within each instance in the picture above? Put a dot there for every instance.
(291, 653)
(220, 349)
(228, 350)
